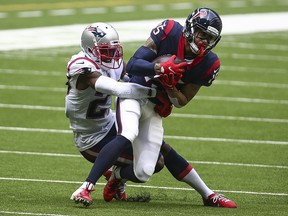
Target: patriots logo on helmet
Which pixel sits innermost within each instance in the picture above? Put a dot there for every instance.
(97, 32)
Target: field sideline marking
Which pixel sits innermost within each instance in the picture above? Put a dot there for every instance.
(211, 139)
(30, 213)
(194, 162)
(178, 115)
(142, 186)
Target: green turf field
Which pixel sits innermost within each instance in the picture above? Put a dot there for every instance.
(235, 133)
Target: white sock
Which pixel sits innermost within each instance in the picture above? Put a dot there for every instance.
(117, 173)
(87, 185)
(194, 180)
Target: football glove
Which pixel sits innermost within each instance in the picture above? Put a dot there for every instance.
(170, 67)
(164, 108)
(169, 81)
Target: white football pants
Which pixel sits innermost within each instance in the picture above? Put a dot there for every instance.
(138, 122)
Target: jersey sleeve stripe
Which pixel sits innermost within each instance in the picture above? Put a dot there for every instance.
(168, 28)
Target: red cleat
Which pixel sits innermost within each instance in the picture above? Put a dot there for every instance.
(115, 188)
(82, 195)
(121, 193)
(218, 200)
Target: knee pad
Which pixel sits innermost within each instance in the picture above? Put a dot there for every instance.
(145, 173)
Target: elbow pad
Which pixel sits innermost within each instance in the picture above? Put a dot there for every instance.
(110, 86)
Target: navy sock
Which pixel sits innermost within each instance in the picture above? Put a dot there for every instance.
(176, 164)
(107, 157)
(128, 173)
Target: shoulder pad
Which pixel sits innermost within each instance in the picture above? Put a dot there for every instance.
(81, 66)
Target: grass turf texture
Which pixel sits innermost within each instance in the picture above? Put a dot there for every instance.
(254, 175)
(45, 13)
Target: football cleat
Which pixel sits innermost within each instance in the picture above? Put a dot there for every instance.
(115, 188)
(121, 193)
(82, 194)
(218, 200)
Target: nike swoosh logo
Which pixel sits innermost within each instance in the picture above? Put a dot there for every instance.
(216, 71)
(170, 68)
(80, 62)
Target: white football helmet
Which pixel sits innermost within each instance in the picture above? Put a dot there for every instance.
(100, 41)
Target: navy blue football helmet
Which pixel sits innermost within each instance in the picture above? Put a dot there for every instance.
(208, 23)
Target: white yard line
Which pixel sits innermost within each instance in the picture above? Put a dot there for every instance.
(251, 84)
(31, 88)
(210, 139)
(19, 106)
(254, 57)
(232, 118)
(223, 68)
(217, 82)
(29, 213)
(215, 98)
(178, 115)
(193, 162)
(143, 186)
(69, 35)
(242, 100)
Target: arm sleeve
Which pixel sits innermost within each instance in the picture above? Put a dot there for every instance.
(110, 86)
(140, 63)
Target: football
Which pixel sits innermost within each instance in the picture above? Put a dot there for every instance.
(164, 58)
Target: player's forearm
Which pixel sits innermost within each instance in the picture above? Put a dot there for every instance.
(109, 86)
(176, 97)
(140, 63)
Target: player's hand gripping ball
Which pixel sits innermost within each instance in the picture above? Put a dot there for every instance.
(171, 64)
(170, 76)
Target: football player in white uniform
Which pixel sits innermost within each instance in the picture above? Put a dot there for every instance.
(92, 78)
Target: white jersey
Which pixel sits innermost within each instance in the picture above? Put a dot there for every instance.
(89, 111)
